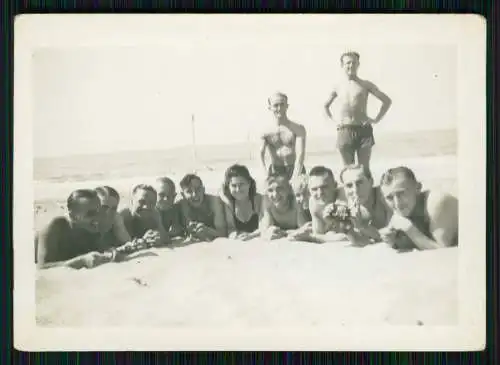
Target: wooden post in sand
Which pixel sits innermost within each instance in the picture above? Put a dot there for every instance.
(193, 141)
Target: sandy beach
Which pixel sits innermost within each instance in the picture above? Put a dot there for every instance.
(227, 283)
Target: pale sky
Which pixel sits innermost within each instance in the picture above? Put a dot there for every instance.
(103, 99)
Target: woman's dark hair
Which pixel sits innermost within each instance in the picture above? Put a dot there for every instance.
(76, 195)
(241, 171)
(108, 190)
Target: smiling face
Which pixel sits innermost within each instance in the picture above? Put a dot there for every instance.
(194, 193)
(278, 193)
(350, 65)
(86, 214)
(278, 106)
(166, 195)
(239, 187)
(143, 203)
(401, 194)
(322, 188)
(357, 186)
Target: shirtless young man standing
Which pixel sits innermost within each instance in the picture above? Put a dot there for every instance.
(355, 132)
(427, 219)
(285, 141)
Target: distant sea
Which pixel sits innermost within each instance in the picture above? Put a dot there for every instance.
(160, 162)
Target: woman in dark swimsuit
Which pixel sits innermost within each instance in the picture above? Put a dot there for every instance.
(242, 203)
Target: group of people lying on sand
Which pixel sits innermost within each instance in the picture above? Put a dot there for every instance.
(310, 208)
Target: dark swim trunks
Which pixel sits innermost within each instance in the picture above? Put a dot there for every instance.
(352, 137)
(283, 170)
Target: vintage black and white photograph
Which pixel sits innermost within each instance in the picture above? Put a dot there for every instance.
(249, 173)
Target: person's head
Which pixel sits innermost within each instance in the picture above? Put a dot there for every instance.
(143, 200)
(300, 190)
(322, 184)
(192, 189)
(165, 189)
(357, 181)
(401, 189)
(278, 105)
(349, 61)
(238, 183)
(109, 199)
(279, 192)
(84, 210)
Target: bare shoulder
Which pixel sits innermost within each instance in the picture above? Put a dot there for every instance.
(125, 213)
(57, 224)
(440, 202)
(368, 85)
(298, 129)
(215, 201)
(267, 131)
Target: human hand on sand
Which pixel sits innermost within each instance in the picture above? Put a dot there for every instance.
(152, 237)
(273, 233)
(388, 235)
(89, 260)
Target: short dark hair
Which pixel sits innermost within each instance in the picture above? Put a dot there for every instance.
(188, 179)
(320, 171)
(145, 187)
(107, 190)
(280, 94)
(390, 174)
(78, 194)
(241, 171)
(166, 180)
(366, 171)
(349, 54)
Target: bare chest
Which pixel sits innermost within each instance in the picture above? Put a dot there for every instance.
(281, 137)
(352, 92)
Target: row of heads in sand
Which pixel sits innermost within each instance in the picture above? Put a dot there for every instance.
(311, 207)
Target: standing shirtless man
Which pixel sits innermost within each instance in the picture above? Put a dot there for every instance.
(285, 141)
(355, 132)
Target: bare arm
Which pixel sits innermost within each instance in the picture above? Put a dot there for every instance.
(49, 249)
(262, 153)
(219, 217)
(329, 103)
(300, 149)
(266, 219)
(443, 213)
(384, 98)
(120, 231)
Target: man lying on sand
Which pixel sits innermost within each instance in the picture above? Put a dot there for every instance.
(355, 132)
(73, 240)
(242, 203)
(281, 214)
(421, 219)
(323, 193)
(113, 230)
(170, 212)
(367, 205)
(202, 214)
(142, 219)
(285, 141)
